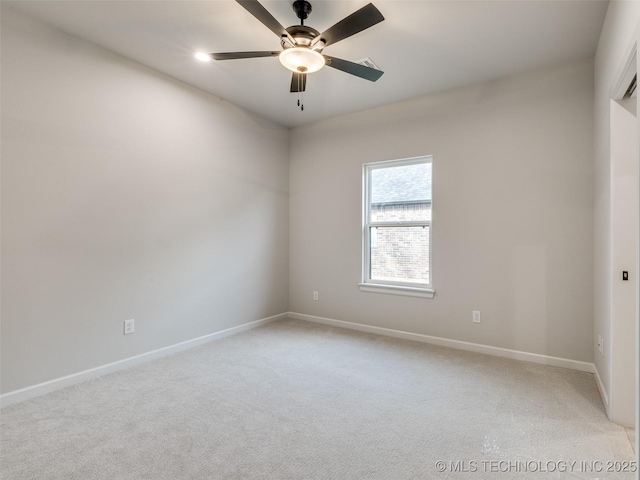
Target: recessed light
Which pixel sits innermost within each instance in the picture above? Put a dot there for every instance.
(203, 57)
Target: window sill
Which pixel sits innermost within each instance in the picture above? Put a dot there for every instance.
(397, 290)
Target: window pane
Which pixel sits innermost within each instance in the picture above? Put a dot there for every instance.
(400, 254)
(401, 193)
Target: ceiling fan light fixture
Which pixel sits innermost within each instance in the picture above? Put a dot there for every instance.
(301, 60)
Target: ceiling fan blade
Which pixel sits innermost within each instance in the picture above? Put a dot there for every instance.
(358, 21)
(354, 68)
(298, 82)
(256, 9)
(237, 55)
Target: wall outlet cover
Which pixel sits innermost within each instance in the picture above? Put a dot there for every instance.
(129, 326)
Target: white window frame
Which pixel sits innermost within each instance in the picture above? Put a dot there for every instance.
(391, 287)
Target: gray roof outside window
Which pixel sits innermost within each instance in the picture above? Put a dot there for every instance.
(401, 184)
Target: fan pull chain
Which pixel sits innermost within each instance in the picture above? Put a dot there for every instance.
(300, 93)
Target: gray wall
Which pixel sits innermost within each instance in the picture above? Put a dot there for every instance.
(126, 194)
(512, 212)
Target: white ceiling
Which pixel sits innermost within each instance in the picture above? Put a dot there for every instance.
(422, 46)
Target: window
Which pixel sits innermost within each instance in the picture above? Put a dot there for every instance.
(397, 227)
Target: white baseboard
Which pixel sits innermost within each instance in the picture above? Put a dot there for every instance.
(23, 394)
(445, 342)
(602, 389)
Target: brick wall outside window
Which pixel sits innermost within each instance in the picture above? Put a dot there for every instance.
(400, 253)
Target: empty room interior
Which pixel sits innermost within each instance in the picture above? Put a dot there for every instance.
(405, 248)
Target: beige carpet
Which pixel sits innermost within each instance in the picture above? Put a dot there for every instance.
(293, 400)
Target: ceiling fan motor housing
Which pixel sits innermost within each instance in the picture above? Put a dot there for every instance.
(303, 36)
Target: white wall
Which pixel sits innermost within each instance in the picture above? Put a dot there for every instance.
(127, 194)
(619, 33)
(512, 220)
(624, 245)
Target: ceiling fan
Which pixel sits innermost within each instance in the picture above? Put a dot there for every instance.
(302, 45)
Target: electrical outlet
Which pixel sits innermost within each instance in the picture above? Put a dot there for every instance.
(315, 296)
(476, 316)
(129, 326)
